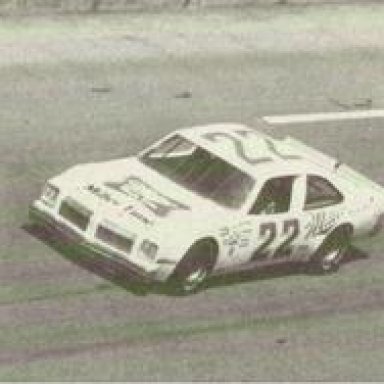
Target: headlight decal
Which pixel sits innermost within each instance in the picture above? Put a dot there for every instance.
(149, 249)
(50, 194)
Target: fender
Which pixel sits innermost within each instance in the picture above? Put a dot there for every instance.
(174, 247)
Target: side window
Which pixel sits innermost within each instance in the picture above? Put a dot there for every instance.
(320, 193)
(274, 197)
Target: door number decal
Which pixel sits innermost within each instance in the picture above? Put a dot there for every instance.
(291, 231)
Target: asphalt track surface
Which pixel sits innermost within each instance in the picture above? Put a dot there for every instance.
(65, 318)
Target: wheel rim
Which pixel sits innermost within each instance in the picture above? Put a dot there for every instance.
(194, 279)
(333, 258)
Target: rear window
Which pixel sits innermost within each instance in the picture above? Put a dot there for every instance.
(321, 193)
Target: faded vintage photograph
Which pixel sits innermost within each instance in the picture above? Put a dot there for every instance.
(191, 190)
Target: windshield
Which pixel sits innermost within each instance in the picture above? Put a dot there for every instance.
(200, 171)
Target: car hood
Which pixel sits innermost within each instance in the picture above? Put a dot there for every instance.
(127, 191)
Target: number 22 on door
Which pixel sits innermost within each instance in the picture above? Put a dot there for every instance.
(275, 245)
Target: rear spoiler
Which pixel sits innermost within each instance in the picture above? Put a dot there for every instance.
(360, 180)
(312, 154)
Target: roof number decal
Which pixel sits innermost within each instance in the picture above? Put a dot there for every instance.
(240, 150)
(282, 156)
(239, 147)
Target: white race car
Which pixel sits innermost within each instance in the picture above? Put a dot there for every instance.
(214, 198)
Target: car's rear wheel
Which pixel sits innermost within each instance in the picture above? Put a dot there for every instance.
(328, 257)
(194, 268)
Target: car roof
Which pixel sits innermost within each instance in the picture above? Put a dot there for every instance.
(255, 152)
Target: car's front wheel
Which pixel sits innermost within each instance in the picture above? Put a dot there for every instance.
(328, 257)
(194, 268)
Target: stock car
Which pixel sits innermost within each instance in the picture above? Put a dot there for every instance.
(208, 199)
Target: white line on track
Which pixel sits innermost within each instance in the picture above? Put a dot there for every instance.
(329, 116)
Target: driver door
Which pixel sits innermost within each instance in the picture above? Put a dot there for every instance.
(275, 221)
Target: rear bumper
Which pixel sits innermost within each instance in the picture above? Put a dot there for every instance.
(44, 218)
(379, 226)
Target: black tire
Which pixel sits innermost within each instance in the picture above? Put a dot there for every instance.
(194, 268)
(328, 257)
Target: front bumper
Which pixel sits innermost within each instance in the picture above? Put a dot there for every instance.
(41, 215)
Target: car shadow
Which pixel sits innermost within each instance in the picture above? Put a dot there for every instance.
(276, 271)
(128, 281)
(97, 265)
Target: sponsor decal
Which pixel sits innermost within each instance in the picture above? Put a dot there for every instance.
(102, 194)
(140, 217)
(237, 236)
(143, 193)
(321, 223)
(158, 203)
